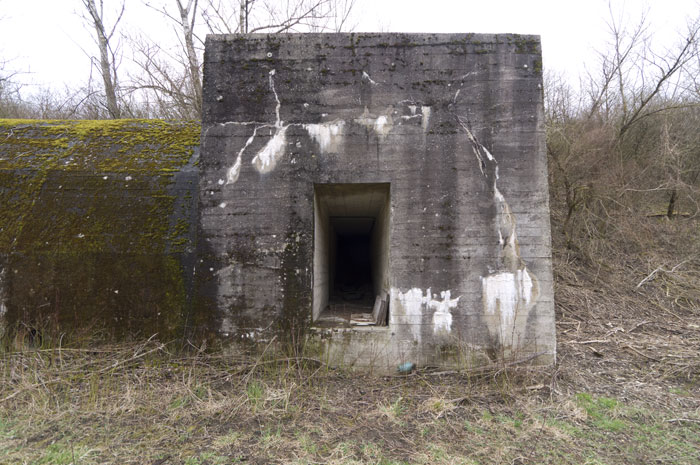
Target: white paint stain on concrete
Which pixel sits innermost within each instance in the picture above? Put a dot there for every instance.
(415, 303)
(381, 124)
(266, 159)
(326, 135)
(442, 318)
(510, 292)
(366, 76)
(425, 110)
(278, 121)
(479, 150)
(509, 297)
(409, 310)
(233, 172)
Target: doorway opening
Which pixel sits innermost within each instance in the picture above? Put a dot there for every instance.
(351, 254)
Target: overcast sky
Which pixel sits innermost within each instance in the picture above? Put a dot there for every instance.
(48, 42)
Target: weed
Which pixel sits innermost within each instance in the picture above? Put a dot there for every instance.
(62, 454)
(255, 392)
(207, 458)
(602, 411)
(227, 440)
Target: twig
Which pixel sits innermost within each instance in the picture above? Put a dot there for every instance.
(681, 420)
(135, 357)
(640, 353)
(496, 368)
(592, 341)
(661, 268)
(638, 325)
(33, 386)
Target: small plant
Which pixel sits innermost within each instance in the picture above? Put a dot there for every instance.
(207, 458)
(602, 411)
(393, 411)
(308, 444)
(255, 392)
(227, 440)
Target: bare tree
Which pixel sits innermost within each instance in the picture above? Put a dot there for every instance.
(606, 88)
(8, 88)
(188, 14)
(163, 82)
(108, 66)
(627, 140)
(170, 82)
(634, 79)
(277, 16)
(159, 75)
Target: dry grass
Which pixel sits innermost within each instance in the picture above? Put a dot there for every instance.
(625, 388)
(143, 404)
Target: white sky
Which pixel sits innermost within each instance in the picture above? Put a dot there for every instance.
(43, 38)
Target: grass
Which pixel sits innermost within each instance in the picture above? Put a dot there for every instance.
(143, 404)
(625, 389)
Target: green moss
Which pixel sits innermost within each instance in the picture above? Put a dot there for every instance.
(93, 180)
(89, 224)
(537, 66)
(104, 145)
(524, 44)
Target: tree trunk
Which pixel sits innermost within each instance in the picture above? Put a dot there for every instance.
(108, 77)
(243, 17)
(192, 60)
(670, 212)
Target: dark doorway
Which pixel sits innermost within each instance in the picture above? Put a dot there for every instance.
(352, 263)
(351, 250)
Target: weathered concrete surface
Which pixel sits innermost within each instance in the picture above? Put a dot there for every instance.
(454, 123)
(98, 226)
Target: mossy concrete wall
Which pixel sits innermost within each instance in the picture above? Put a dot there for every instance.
(98, 226)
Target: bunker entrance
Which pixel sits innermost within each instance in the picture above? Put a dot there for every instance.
(351, 254)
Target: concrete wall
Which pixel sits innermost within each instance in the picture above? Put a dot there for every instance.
(322, 252)
(454, 123)
(381, 247)
(97, 227)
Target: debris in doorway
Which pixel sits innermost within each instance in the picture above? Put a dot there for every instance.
(376, 318)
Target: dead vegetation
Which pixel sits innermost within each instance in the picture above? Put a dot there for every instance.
(625, 390)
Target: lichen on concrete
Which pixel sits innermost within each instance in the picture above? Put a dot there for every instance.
(96, 218)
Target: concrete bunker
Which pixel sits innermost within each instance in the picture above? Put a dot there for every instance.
(337, 168)
(351, 252)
